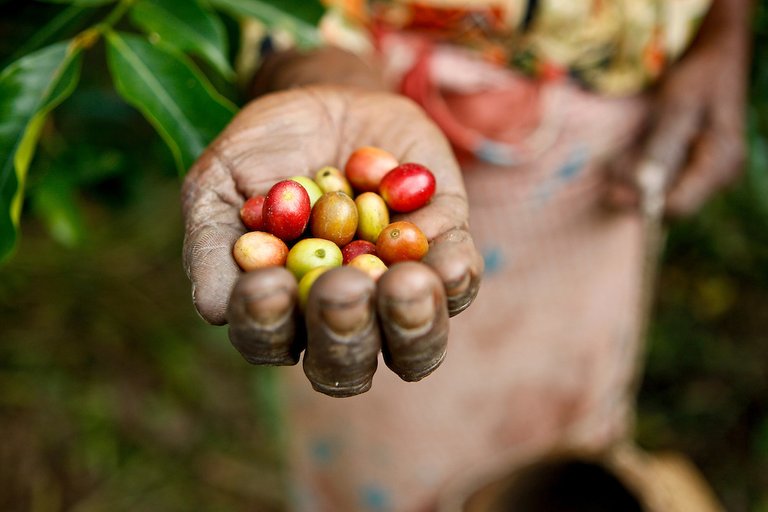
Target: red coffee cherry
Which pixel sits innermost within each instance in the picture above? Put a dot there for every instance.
(286, 210)
(407, 187)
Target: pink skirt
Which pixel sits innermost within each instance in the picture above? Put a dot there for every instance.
(547, 355)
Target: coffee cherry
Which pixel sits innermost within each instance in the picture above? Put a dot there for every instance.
(407, 187)
(252, 213)
(313, 190)
(257, 249)
(366, 166)
(356, 248)
(330, 179)
(401, 241)
(360, 225)
(312, 253)
(372, 214)
(286, 210)
(370, 264)
(306, 282)
(334, 218)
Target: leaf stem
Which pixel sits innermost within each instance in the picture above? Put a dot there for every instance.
(116, 14)
(91, 35)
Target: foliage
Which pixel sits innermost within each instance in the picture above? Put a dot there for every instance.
(114, 394)
(153, 70)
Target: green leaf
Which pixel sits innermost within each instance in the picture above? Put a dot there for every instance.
(67, 20)
(186, 26)
(54, 201)
(303, 28)
(171, 93)
(84, 3)
(29, 89)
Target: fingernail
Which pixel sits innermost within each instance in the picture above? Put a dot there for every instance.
(416, 337)
(262, 329)
(346, 317)
(458, 303)
(341, 355)
(268, 308)
(458, 286)
(412, 313)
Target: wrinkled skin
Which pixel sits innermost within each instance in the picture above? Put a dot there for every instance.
(295, 133)
(696, 131)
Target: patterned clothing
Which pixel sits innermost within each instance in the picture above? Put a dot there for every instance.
(612, 46)
(441, 53)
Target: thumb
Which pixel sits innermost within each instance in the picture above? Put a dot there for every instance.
(212, 222)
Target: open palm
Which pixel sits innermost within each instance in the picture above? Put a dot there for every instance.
(348, 318)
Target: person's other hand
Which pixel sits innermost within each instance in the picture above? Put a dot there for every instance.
(695, 139)
(348, 318)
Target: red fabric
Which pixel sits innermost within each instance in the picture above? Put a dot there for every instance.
(506, 115)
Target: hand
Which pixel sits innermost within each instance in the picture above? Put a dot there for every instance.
(695, 140)
(348, 318)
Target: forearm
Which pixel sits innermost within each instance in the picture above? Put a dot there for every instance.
(733, 11)
(327, 65)
(726, 32)
(727, 23)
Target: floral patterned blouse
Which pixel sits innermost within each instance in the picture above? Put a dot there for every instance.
(615, 47)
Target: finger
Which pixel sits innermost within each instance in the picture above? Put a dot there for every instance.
(414, 319)
(716, 161)
(459, 265)
(670, 139)
(262, 318)
(211, 207)
(343, 339)
(667, 146)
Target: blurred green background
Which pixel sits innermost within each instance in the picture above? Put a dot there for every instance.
(114, 395)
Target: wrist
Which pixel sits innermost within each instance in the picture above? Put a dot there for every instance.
(728, 20)
(322, 66)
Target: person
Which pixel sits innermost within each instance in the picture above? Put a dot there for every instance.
(537, 119)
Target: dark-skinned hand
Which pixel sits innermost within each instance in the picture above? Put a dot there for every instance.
(349, 319)
(694, 142)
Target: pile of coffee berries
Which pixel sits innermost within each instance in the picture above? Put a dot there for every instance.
(327, 225)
